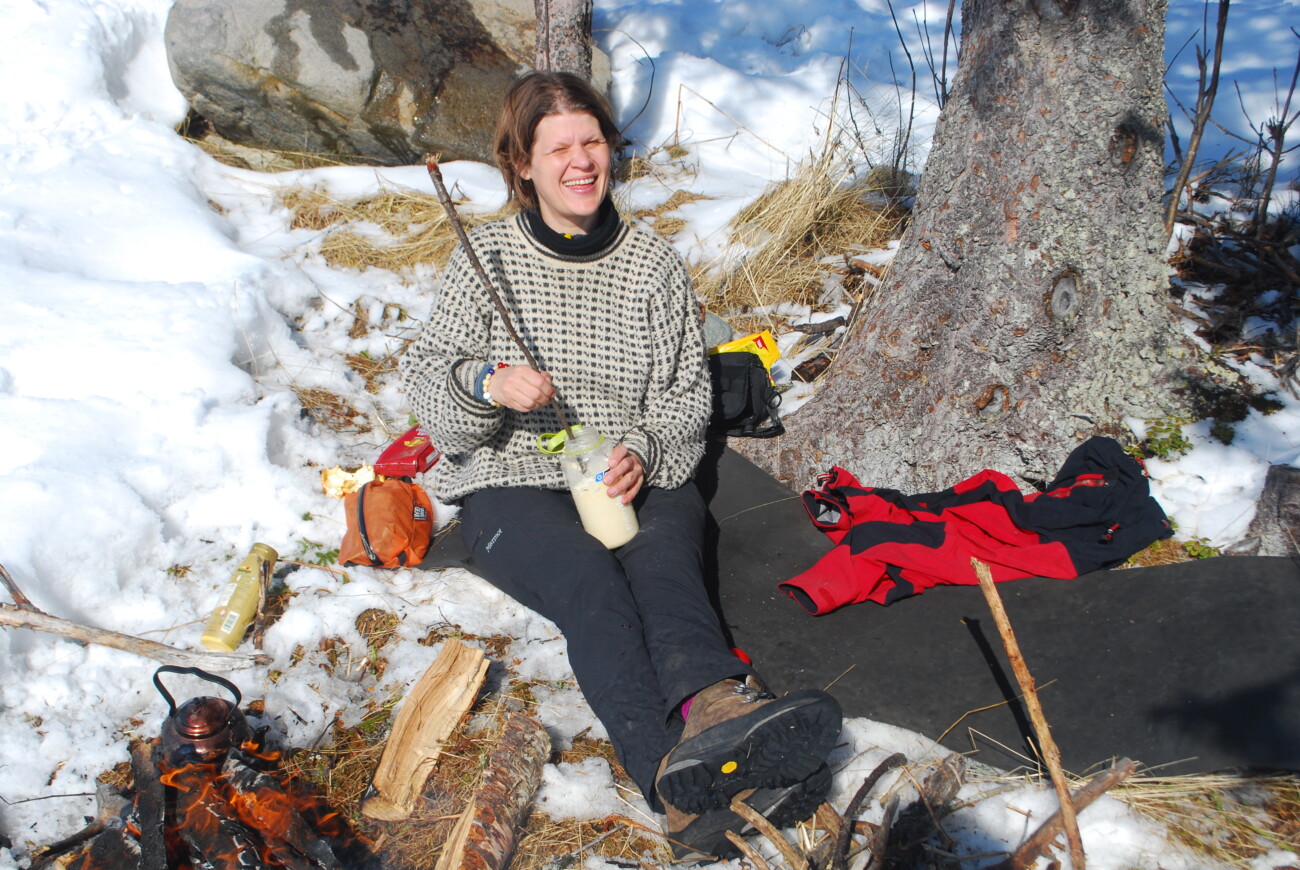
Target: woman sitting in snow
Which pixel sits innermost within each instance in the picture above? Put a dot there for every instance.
(610, 314)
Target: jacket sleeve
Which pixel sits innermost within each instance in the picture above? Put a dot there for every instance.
(442, 368)
(669, 438)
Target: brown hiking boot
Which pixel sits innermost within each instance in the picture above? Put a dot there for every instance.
(703, 836)
(739, 736)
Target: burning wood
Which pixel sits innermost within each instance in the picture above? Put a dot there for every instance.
(232, 811)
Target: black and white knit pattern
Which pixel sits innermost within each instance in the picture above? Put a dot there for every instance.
(619, 331)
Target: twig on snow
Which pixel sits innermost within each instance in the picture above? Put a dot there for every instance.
(840, 858)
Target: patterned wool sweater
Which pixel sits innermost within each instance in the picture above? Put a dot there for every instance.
(618, 330)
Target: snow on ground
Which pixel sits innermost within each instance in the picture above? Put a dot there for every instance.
(158, 313)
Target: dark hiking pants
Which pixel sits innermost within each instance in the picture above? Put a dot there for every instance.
(642, 635)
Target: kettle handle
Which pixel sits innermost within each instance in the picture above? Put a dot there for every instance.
(201, 674)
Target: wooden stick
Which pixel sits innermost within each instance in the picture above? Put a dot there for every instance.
(1051, 754)
(840, 858)
(1030, 850)
(19, 617)
(769, 830)
(431, 164)
(20, 599)
(880, 842)
(263, 592)
(48, 856)
(428, 716)
(750, 853)
(830, 820)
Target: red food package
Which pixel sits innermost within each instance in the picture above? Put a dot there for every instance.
(411, 454)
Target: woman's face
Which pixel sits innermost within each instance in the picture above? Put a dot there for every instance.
(569, 169)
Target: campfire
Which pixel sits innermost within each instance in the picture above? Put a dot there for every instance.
(207, 794)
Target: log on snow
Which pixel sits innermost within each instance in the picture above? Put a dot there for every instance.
(21, 617)
(485, 836)
(437, 702)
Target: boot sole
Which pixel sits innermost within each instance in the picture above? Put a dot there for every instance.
(779, 744)
(783, 807)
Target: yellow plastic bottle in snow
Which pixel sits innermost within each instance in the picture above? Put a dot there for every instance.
(238, 601)
(584, 458)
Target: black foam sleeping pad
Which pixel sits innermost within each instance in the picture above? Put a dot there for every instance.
(1186, 668)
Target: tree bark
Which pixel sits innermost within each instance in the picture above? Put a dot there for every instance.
(564, 36)
(1025, 308)
(488, 830)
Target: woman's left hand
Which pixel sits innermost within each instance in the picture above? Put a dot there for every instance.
(625, 475)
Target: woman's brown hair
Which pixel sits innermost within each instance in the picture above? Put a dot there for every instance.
(532, 98)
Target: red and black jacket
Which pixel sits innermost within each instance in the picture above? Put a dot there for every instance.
(1095, 514)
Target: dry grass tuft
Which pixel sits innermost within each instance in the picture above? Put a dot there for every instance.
(496, 645)
(568, 841)
(1229, 819)
(331, 410)
(583, 747)
(824, 210)
(412, 228)
(372, 371)
(343, 771)
(658, 217)
(669, 226)
(633, 168)
(377, 627)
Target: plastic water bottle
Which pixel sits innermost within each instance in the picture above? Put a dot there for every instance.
(238, 601)
(584, 459)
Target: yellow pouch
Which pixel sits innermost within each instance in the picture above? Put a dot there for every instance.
(761, 343)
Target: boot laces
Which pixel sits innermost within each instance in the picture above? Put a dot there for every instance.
(751, 695)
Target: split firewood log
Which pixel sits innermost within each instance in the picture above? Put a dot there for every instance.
(428, 716)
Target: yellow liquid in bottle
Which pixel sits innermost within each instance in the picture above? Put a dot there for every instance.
(238, 601)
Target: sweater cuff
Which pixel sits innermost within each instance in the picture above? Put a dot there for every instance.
(646, 448)
(466, 381)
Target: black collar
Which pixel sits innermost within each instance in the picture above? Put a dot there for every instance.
(608, 224)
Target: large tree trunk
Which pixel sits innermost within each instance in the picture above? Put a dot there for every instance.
(1025, 309)
(564, 36)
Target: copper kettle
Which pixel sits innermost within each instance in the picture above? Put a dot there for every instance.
(204, 729)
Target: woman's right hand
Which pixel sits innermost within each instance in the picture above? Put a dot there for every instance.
(521, 388)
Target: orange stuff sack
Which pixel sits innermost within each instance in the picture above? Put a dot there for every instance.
(389, 522)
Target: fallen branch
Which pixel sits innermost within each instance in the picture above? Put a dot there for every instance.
(880, 842)
(840, 858)
(1051, 754)
(750, 853)
(23, 602)
(824, 327)
(1030, 850)
(20, 617)
(793, 859)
